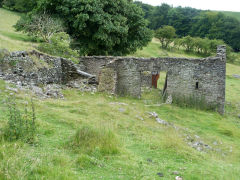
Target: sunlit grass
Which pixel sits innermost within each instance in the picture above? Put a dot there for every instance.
(9, 38)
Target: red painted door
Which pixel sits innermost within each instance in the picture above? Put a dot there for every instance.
(155, 78)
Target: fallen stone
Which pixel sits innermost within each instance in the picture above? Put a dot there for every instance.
(118, 103)
(239, 116)
(160, 121)
(175, 173)
(140, 118)
(122, 110)
(153, 114)
(38, 91)
(236, 76)
(178, 178)
(12, 89)
(160, 174)
(149, 160)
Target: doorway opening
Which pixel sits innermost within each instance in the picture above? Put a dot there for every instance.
(162, 82)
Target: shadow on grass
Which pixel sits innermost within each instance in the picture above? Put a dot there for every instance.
(18, 37)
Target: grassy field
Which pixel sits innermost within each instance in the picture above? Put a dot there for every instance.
(232, 14)
(10, 39)
(99, 136)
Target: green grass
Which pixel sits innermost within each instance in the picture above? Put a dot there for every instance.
(91, 136)
(9, 38)
(153, 50)
(232, 14)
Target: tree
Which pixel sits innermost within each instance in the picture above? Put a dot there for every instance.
(159, 16)
(40, 25)
(59, 45)
(19, 5)
(165, 35)
(101, 27)
(188, 43)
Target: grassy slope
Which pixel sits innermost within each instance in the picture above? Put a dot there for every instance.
(10, 39)
(232, 14)
(147, 147)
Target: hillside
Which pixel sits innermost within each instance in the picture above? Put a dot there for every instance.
(10, 39)
(132, 144)
(232, 14)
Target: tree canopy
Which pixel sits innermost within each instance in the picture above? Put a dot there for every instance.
(100, 27)
(193, 22)
(165, 35)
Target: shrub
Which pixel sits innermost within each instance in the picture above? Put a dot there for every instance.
(59, 45)
(91, 140)
(42, 26)
(165, 35)
(21, 126)
(19, 5)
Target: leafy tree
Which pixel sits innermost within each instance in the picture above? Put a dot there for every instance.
(147, 9)
(182, 19)
(188, 43)
(59, 45)
(165, 35)
(159, 16)
(101, 27)
(40, 25)
(214, 25)
(19, 5)
(195, 23)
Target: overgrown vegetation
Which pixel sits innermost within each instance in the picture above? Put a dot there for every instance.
(58, 45)
(90, 140)
(18, 5)
(193, 102)
(99, 27)
(21, 125)
(41, 26)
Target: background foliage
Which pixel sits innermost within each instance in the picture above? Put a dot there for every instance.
(100, 27)
(193, 22)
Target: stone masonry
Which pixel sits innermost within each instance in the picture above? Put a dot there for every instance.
(201, 78)
(124, 75)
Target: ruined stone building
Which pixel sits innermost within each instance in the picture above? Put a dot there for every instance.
(200, 78)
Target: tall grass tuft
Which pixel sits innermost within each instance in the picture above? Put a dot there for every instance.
(90, 140)
(21, 125)
(193, 102)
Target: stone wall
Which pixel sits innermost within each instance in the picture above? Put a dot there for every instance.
(200, 78)
(38, 69)
(93, 64)
(124, 75)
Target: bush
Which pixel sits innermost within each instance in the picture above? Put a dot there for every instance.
(19, 5)
(101, 27)
(42, 26)
(165, 35)
(59, 45)
(21, 126)
(91, 140)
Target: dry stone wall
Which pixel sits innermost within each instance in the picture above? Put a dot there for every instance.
(200, 78)
(124, 75)
(37, 68)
